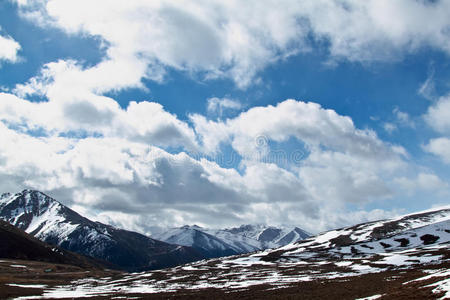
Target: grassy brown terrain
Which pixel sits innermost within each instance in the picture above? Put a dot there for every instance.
(390, 284)
(26, 272)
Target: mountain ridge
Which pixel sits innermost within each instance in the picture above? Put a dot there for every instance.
(230, 241)
(17, 244)
(52, 222)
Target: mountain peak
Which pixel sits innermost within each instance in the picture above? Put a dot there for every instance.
(27, 197)
(195, 227)
(53, 223)
(5, 195)
(237, 240)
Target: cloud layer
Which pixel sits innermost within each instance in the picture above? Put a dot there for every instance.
(127, 176)
(236, 40)
(140, 165)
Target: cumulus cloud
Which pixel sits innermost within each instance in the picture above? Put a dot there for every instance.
(423, 181)
(146, 122)
(128, 178)
(306, 121)
(439, 147)
(437, 118)
(378, 30)
(339, 155)
(437, 115)
(229, 39)
(120, 176)
(221, 39)
(9, 49)
(326, 173)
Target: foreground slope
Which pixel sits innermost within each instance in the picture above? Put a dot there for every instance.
(53, 223)
(404, 258)
(406, 232)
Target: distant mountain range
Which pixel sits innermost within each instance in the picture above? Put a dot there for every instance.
(230, 241)
(51, 222)
(55, 224)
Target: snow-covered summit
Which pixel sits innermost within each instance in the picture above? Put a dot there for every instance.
(53, 223)
(197, 237)
(270, 236)
(37, 214)
(237, 240)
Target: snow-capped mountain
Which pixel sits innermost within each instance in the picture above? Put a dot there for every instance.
(403, 258)
(194, 236)
(17, 244)
(52, 222)
(269, 236)
(223, 242)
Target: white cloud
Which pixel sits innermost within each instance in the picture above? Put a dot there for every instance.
(378, 30)
(428, 88)
(339, 177)
(403, 118)
(142, 184)
(221, 39)
(135, 179)
(237, 40)
(146, 122)
(423, 181)
(66, 79)
(217, 106)
(305, 121)
(9, 49)
(344, 164)
(439, 147)
(437, 115)
(389, 127)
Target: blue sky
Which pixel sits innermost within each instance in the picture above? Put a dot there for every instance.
(108, 104)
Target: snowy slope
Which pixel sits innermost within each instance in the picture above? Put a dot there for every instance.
(242, 243)
(37, 214)
(17, 244)
(52, 222)
(404, 232)
(269, 236)
(409, 255)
